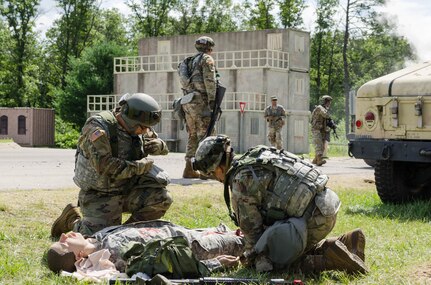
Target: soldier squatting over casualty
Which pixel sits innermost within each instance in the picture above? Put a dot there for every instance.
(282, 207)
(113, 172)
(216, 248)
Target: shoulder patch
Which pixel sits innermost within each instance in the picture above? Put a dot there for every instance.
(97, 134)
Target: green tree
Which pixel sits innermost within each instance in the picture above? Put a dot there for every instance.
(19, 16)
(89, 74)
(111, 27)
(189, 19)
(151, 17)
(291, 13)
(219, 16)
(260, 14)
(71, 34)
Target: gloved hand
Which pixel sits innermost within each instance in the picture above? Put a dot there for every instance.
(211, 104)
(144, 165)
(155, 146)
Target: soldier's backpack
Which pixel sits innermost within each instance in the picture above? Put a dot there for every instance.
(296, 183)
(172, 257)
(186, 69)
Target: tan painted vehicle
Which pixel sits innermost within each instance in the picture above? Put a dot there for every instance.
(393, 128)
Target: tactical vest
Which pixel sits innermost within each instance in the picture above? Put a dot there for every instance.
(295, 185)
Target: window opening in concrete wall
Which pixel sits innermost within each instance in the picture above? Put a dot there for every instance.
(21, 125)
(299, 43)
(299, 90)
(299, 128)
(3, 125)
(254, 126)
(274, 41)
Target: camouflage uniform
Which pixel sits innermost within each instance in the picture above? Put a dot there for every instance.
(275, 118)
(109, 184)
(271, 233)
(202, 90)
(318, 128)
(206, 243)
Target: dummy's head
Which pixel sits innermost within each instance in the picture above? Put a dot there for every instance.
(63, 254)
(211, 152)
(140, 110)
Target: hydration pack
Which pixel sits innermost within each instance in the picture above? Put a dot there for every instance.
(295, 184)
(186, 69)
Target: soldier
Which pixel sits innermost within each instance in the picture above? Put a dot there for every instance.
(113, 172)
(283, 208)
(199, 100)
(275, 115)
(214, 246)
(319, 118)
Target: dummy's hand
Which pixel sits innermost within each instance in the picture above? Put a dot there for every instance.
(144, 165)
(228, 261)
(154, 146)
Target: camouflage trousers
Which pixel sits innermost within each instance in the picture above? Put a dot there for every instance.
(145, 201)
(198, 117)
(274, 137)
(318, 141)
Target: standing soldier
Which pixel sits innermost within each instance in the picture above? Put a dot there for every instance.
(275, 115)
(319, 119)
(199, 100)
(113, 172)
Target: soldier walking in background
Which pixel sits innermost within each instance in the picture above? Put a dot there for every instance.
(319, 130)
(113, 172)
(275, 116)
(198, 100)
(283, 207)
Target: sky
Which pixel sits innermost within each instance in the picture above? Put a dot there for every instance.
(412, 17)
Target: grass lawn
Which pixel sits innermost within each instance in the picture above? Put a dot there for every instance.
(398, 249)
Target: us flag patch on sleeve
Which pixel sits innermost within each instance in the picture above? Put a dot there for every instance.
(97, 134)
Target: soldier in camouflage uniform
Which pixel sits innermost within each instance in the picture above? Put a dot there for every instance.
(113, 172)
(199, 100)
(319, 129)
(215, 247)
(283, 207)
(275, 115)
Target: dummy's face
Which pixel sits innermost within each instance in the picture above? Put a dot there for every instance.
(71, 242)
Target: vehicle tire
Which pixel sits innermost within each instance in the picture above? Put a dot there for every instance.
(400, 182)
(370, 162)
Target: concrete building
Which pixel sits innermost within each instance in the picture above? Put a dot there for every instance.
(28, 126)
(253, 66)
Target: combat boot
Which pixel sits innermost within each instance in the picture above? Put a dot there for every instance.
(337, 257)
(188, 170)
(64, 223)
(354, 241)
(319, 160)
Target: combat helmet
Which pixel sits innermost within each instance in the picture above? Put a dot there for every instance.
(140, 109)
(204, 44)
(210, 153)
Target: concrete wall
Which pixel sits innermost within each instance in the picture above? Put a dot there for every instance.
(39, 123)
(290, 84)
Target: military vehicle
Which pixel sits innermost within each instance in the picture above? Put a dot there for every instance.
(392, 128)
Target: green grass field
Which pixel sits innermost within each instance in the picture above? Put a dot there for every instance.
(398, 246)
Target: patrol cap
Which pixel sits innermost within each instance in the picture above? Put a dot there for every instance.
(210, 153)
(274, 98)
(326, 98)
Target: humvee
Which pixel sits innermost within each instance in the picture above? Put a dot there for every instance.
(392, 127)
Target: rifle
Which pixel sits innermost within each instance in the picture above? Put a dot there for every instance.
(331, 124)
(206, 281)
(216, 111)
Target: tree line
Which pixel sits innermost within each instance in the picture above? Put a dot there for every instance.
(351, 43)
